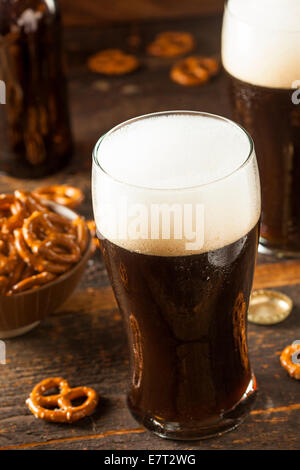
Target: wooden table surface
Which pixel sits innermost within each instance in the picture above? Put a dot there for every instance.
(84, 341)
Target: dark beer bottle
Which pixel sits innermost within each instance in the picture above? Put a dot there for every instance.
(35, 134)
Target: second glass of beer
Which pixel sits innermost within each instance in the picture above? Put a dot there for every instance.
(260, 53)
(176, 200)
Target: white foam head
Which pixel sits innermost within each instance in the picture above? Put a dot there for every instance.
(180, 159)
(261, 41)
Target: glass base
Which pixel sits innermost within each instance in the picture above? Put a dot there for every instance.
(264, 248)
(227, 421)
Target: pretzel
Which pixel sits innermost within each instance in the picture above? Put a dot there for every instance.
(91, 225)
(194, 70)
(5, 202)
(92, 228)
(28, 271)
(12, 213)
(113, 62)
(24, 252)
(82, 233)
(290, 360)
(34, 226)
(44, 224)
(36, 244)
(171, 44)
(65, 195)
(29, 201)
(32, 282)
(18, 273)
(40, 404)
(209, 63)
(49, 248)
(37, 261)
(60, 224)
(8, 254)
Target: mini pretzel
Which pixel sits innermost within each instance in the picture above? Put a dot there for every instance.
(82, 233)
(194, 70)
(60, 224)
(36, 224)
(171, 44)
(65, 195)
(113, 62)
(55, 231)
(13, 213)
(8, 254)
(209, 63)
(92, 228)
(63, 412)
(6, 200)
(49, 248)
(290, 360)
(36, 243)
(32, 282)
(17, 274)
(35, 260)
(29, 201)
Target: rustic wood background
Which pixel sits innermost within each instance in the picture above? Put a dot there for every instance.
(95, 12)
(84, 341)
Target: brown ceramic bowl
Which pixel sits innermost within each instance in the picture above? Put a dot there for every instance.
(19, 313)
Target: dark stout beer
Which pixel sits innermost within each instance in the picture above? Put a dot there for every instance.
(273, 120)
(176, 200)
(260, 53)
(186, 317)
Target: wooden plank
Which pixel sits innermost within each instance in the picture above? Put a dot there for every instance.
(95, 12)
(277, 274)
(90, 301)
(72, 440)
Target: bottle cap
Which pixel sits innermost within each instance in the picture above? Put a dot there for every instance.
(268, 307)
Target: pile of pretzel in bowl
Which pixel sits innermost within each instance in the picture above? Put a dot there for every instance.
(36, 243)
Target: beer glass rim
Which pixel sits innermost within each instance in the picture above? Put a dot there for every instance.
(248, 159)
(266, 27)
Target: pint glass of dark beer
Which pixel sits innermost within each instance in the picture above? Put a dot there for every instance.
(260, 53)
(176, 200)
